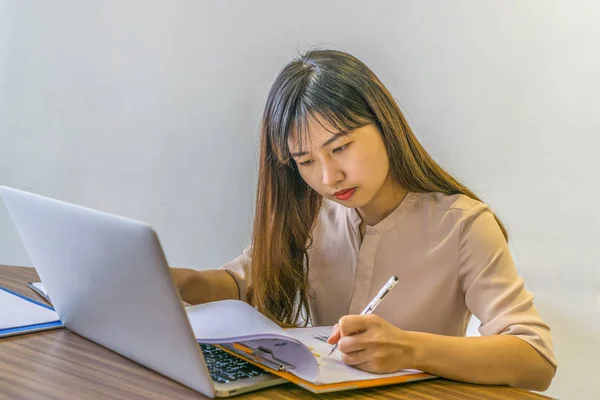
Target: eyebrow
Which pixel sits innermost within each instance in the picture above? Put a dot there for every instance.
(328, 142)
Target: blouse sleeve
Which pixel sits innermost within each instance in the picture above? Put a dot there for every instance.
(493, 290)
(239, 269)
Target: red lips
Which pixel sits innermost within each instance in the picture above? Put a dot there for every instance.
(344, 194)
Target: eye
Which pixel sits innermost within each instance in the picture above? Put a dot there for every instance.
(305, 163)
(341, 148)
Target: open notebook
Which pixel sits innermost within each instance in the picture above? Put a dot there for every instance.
(300, 355)
(19, 314)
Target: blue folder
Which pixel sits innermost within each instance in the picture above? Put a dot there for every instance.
(29, 328)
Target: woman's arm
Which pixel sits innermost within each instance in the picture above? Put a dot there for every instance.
(492, 360)
(197, 287)
(370, 343)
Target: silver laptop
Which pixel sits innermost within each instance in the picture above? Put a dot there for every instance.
(109, 281)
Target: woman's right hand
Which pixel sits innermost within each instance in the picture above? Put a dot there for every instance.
(204, 286)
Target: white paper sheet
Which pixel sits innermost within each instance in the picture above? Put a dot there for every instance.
(235, 321)
(297, 358)
(331, 367)
(231, 321)
(16, 312)
(40, 286)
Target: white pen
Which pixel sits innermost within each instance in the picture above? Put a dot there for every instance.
(376, 300)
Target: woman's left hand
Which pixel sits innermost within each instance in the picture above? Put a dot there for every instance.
(370, 343)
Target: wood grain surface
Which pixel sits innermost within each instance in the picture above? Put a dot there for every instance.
(59, 364)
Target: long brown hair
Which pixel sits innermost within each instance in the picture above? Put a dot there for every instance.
(345, 93)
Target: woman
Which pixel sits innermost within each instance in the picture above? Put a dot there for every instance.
(346, 198)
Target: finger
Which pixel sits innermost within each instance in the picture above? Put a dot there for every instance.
(355, 358)
(368, 367)
(350, 344)
(335, 335)
(352, 324)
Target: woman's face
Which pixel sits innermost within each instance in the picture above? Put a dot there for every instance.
(347, 167)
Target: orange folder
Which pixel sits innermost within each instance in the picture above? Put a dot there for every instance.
(246, 354)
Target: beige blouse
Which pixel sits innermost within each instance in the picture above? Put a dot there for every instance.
(451, 260)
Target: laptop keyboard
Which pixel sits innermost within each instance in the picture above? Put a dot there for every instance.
(225, 368)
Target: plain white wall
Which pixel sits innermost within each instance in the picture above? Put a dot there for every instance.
(150, 109)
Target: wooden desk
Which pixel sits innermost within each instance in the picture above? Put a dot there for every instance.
(62, 365)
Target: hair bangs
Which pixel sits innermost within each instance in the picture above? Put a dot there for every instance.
(327, 112)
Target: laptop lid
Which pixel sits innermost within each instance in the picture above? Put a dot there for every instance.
(91, 263)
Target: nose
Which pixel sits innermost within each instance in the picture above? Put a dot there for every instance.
(331, 174)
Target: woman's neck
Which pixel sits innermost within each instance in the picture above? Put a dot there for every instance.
(385, 201)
